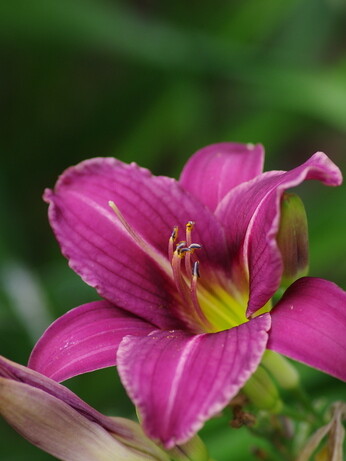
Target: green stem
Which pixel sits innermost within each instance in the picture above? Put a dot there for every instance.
(305, 401)
(295, 415)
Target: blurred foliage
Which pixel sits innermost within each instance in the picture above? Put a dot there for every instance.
(152, 82)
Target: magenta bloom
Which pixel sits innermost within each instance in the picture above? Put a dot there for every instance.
(187, 270)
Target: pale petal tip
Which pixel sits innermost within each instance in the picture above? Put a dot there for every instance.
(47, 195)
(333, 173)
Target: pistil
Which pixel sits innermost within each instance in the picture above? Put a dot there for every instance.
(139, 240)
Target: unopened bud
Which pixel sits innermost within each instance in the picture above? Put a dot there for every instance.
(281, 370)
(193, 450)
(292, 239)
(262, 392)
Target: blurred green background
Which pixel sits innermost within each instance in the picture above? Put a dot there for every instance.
(152, 82)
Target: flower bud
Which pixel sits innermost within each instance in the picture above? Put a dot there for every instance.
(262, 392)
(193, 450)
(292, 239)
(51, 417)
(281, 370)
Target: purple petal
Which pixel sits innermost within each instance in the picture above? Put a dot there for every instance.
(19, 389)
(216, 169)
(251, 216)
(56, 428)
(105, 255)
(178, 380)
(84, 339)
(309, 325)
(14, 372)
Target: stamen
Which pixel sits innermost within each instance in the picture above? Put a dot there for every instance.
(196, 305)
(186, 281)
(189, 228)
(195, 272)
(172, 239)
(177, 274)
(193, 315)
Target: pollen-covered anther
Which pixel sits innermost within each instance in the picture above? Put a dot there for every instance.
(188, 231)
(181, 249)
(174, 233)
(194, 246)
(195, 270)
(182, 252)
(189, 226)
(172, 239)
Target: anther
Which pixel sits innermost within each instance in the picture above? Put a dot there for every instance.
(172, 239)
(190, 225)
(189, 228)
(195, 270)
(195, 246)
(174, 233)
(180, 246)
(182, 251)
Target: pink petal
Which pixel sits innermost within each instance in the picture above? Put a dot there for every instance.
(15, 372)
(309, 325)
(216, 169)
(178, 380)
(105, 255)
(84, 339)
(251, 216)
(57, 421)
(56, 428)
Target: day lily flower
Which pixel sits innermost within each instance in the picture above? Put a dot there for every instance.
(187, 270)
(53, 418)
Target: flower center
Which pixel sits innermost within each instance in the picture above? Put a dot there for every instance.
(185, 277)
(206, 306)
